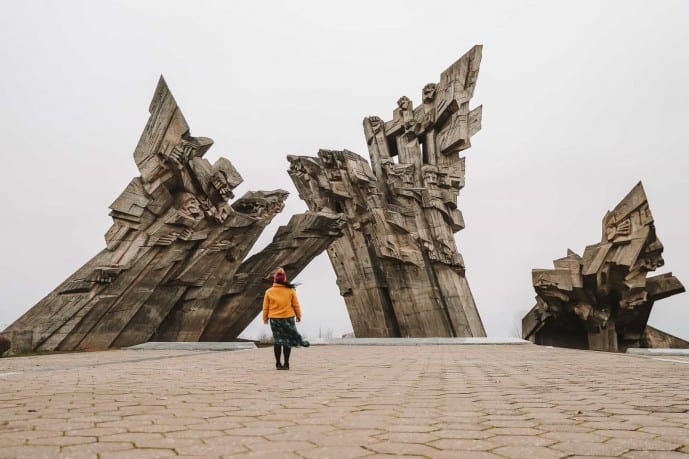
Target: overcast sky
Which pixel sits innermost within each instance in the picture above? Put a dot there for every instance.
(581, 100)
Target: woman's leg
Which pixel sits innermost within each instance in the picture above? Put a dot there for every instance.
(276, 349)
(287, 350)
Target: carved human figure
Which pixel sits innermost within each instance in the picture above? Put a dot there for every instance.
(428, 93)
(404, 103)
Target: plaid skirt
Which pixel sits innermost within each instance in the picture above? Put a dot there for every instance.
(285, 333)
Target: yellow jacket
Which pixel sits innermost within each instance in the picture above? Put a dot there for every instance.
(280, 302)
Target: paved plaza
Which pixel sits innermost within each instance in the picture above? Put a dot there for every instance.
(442, 401)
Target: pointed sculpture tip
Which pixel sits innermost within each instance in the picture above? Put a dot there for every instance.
(638, 188)
(159, 95)
(162, 83)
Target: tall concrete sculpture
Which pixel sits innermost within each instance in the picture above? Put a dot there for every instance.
(173, 251)
(602, 301)
(397, 265)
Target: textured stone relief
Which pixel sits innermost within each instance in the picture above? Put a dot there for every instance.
(397, 265)
(602, 301)
(173, 251)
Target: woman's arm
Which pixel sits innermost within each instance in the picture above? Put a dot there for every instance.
(295, 306)
(266, 307)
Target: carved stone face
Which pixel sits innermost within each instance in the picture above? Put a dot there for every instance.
(428, 93)
(376, 123)
(404, 103)
(430, 177)
(328, 158)
(653, 260)
(220, 183)
(407, 175)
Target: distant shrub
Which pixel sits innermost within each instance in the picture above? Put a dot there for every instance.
(265, 338)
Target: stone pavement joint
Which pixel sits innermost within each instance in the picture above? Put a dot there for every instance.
(440, 401)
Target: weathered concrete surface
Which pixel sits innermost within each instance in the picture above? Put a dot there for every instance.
(346, 401)
(398, 266)
(173, 268)
(602, 300)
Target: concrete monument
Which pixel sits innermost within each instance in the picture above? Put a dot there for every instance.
(602, 301)
(397, 266)
(174, 254)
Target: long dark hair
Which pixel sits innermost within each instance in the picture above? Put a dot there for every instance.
(287, 284)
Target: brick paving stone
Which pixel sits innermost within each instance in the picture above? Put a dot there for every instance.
(669, 431)
(347, 438)
(277, 446)
(227, 444)
(201, 449)
(528, 452)
(583, 448)
(645, 444)
(514, 431)
(168, 443)
(464, 455)
(200, 434)
(321, 452)
(469, 434)
(126, 423)
(61, 441)
(263, 455)
(506, 423)
(519, 401)
(610, 425)
(462, 445)
(17, 438)
(412, 428)
(567, 428)
(655, 455)
(402, 448)
(92, 449)
(95, 431)
(253, 431)
(395, 456)
(588, 457)
(407, 437)
(637, 434)
(138, 454)
(460, 426)
(133, 437)
(47, 452)
(520, 440)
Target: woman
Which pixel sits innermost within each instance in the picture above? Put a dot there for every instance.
(281, 306)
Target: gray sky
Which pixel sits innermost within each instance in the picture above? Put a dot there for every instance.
(582, 99)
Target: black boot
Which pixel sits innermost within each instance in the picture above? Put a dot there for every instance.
(287, 351)
(276, 349)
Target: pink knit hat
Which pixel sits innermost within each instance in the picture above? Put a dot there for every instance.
(280, 275)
